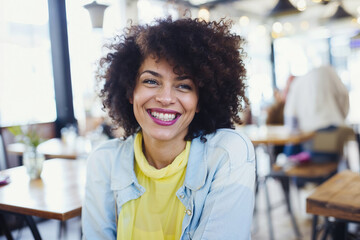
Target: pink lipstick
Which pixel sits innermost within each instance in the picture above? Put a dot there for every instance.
(163, 117)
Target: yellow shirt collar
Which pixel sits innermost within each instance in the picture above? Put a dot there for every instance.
(177, 165)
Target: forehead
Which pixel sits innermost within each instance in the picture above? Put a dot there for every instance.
(155, 61)
(156, 64)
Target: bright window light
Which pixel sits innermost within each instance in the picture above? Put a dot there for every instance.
(26, 77)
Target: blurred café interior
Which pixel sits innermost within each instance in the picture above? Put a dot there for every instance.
(49, 50)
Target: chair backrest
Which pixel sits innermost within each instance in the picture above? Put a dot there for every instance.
(332, 140)
(327, 153)
(3, 155)
(328, 143)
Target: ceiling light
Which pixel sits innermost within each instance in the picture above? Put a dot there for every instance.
(301, 5)
(340, 13)
(283, 7)
(277, 27)
(96, 12)
(244, 21)
(204, 14)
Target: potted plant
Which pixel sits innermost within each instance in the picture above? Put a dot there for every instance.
(32, 159)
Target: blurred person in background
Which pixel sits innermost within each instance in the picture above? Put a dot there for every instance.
(318, 101)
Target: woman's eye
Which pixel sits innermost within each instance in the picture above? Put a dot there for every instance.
(185, 86)
(150, 81)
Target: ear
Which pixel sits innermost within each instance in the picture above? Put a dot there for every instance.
(197, 109)
(130, 100)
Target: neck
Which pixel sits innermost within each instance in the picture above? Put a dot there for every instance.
(161, 154)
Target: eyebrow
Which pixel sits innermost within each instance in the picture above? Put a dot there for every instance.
(179, 78)
(151, 72)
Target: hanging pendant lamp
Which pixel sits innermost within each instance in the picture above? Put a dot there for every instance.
(96, 12)
(282, 8)
(340, 13)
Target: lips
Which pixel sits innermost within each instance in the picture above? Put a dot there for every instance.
(163, 117)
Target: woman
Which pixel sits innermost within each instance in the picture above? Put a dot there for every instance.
(180, 172)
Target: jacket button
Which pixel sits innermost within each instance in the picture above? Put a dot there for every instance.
(182, 196)
(188, 212)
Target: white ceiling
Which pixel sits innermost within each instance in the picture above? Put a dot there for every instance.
(261, 8)
(316, 14)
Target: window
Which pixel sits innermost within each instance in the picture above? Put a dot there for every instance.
(297, 55)
(26, 78)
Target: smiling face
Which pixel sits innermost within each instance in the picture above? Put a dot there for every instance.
(164, 103)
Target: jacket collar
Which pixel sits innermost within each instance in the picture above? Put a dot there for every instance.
(123, 174)
(122, 171)
(196, 167)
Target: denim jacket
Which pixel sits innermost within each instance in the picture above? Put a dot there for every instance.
(218, 190)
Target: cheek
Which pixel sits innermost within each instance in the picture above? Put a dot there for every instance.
(137, 95)
(141, 96)
(191, 103)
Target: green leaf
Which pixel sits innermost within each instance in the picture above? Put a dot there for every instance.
(15, 130)
(29, 136)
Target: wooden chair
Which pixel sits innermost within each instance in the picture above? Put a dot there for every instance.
(327, 150)
(326, 145)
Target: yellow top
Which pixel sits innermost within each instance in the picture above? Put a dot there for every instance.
(158, 213)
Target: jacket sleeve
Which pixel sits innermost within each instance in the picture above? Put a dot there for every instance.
(98, 210)
(229, 205)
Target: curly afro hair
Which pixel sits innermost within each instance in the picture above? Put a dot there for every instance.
(206, 51)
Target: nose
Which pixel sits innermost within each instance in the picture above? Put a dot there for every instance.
(165, 96)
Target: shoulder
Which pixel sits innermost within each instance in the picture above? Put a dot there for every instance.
(105, 154)
(228, 138)
(111, 146)
(233, 142)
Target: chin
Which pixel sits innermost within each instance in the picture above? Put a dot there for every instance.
(164, 136)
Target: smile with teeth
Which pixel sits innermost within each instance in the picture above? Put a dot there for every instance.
(166, 117)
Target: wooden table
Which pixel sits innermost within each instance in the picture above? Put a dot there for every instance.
(275, 135)
(338, 197)
(52, 148)
(57, 195)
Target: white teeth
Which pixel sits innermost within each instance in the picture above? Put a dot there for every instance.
(163, 116)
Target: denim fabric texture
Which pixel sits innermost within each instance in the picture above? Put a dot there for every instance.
(218, 191)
